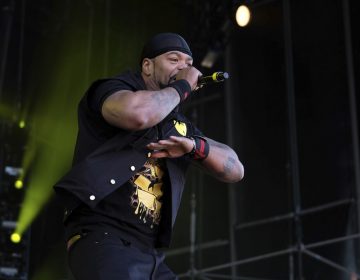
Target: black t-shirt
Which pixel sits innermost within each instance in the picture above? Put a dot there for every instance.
(134, 209)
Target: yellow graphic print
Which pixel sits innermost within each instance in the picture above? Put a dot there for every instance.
(180, 127)
(148, 191)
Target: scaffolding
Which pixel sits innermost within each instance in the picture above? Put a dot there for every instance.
(297, 250)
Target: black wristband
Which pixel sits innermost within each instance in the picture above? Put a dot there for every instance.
(182, 87)
(201, 148)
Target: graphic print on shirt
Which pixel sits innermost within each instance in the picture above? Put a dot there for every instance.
(180, 127)
(146, 198)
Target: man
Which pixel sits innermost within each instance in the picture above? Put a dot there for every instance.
(133, 148)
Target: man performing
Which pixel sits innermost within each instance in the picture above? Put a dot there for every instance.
(133, 148)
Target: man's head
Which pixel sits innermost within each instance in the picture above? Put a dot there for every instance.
(163, 56)
(162, 43)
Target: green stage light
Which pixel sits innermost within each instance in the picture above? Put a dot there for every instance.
(19, 184)
(53, 128)
(52, 134)
(15, 237)
(22, 124)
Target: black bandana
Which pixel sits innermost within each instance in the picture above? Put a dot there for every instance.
(162, 43)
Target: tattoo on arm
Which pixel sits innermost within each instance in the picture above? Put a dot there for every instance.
(228, 166)
(164, 102)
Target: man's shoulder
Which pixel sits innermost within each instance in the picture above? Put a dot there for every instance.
(128, 80)
(127, 74)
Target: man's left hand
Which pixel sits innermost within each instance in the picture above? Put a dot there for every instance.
(173, 147)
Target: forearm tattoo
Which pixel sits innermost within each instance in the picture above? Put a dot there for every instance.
(228, 167)
(164, 102)
(229, 163)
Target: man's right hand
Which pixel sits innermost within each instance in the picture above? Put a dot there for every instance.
(191, 74)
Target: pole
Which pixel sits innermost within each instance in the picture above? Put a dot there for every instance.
(294, 160)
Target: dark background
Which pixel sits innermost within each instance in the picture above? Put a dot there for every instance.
(286, 110)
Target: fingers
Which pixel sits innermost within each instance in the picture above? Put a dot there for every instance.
(173, 147)
(162, 144)
(191, 74)
(159, 154)
(177, 139)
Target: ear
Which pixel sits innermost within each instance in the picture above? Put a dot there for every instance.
(147, 66)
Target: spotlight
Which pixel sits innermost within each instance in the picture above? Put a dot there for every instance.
(243, 15)
(15, 237)
(22, 124)
(18, 184)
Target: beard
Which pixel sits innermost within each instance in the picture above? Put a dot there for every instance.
(162, 85)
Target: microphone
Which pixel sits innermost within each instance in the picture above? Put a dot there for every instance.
(214, 78)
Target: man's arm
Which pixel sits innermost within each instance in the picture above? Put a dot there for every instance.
(146, 108)
(221, 162)
(139, 110)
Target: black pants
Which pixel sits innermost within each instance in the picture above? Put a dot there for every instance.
(103, 256)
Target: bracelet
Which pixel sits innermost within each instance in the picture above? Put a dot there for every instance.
(200, 149)
(182, 87)
(192, 152)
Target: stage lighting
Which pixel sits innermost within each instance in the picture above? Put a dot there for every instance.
(209, 59)
(243, 15)
(22, 124)
(15, 237)
(8, 224)
(19, 184)
(13, 171)
(9, 272)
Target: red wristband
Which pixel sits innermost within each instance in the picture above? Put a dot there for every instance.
(201, 148)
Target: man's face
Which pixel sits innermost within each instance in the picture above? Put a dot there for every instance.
(166, 66)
